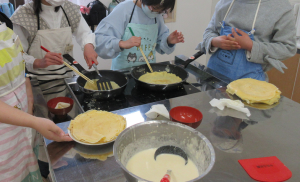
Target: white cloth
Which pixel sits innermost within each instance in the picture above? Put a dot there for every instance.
(297, 15)
(83, 33)
(233, 104)
(156, 110)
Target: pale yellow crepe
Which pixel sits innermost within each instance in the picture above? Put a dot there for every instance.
(101, 157)
(93, 86)
(97, 127)
(62, 105)
(160, 78)
(254, 91)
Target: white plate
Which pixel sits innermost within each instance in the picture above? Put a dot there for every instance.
(83, 143)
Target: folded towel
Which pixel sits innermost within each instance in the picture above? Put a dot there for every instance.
(156, 110)
(233, 104)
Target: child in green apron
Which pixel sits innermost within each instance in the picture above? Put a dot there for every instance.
(114, 39)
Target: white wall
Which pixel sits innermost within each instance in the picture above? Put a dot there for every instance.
(192, 17)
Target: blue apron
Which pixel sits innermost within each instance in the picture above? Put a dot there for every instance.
(234, 63)
(133, 57)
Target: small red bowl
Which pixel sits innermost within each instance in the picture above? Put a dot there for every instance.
(53, 102)
(186, 115)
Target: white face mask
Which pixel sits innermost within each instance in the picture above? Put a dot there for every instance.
(56, 2)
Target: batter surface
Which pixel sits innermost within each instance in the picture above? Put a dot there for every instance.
(143, 165)
(93, 86)
(160, 78)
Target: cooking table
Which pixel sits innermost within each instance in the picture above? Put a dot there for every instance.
(271, 132)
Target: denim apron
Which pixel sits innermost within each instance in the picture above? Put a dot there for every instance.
(233, 63)
(133, 57)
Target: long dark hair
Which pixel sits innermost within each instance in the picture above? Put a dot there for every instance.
(167, 4)
(37, 7)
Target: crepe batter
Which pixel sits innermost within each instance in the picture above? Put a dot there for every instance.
(160, 78)
(143, 165)
(93, 86)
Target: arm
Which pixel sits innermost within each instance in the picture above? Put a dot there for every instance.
(281, 46)
(30, 99)
(44, 126)
(162, 45)
(86, 39)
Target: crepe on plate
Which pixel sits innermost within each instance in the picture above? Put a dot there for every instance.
(93, 86)
(254, 91)
(160, 78)
(96, 127)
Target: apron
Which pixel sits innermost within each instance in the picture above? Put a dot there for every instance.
(133, 57)
(51, 79)
(18, 162)
(234, 64)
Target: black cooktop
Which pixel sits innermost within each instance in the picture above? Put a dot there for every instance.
(133, 95)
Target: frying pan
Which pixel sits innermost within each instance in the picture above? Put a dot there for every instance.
(138, 71)
(118, 77)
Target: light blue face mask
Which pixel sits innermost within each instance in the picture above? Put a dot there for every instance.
(149, 13)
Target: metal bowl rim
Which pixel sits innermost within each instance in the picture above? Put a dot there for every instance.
(212, 151)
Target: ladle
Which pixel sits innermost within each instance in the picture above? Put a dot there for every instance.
(169, 149)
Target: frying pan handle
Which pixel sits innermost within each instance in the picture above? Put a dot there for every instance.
(74, 63)
(193, 58)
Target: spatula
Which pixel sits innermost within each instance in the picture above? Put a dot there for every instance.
(102, 80)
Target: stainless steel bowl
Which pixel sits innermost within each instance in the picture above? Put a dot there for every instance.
(154, 134)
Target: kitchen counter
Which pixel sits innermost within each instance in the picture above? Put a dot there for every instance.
(270, 132)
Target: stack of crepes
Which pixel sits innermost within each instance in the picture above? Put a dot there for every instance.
(254, 91)
(96, 127)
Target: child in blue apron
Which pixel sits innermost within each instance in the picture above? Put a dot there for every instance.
(114, 39)
(249, 37)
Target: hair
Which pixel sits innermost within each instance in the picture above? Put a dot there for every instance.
(37, 7)
(167, 4)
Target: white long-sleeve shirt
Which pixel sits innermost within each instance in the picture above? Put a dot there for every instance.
(82, 34)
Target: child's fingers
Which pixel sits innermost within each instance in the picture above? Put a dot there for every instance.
(240, 31)
(234, 33)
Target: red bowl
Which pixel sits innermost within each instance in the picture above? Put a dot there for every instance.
(186, 115)
(53, 102)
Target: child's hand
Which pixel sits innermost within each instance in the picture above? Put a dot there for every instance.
(243, 39)
(132, 42)
(90, 55)
(175, 37)
(225, 43)
(51, 131)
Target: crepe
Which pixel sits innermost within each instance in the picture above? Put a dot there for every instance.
(97, 127)
(62, 105)
(90, 86)
(254, 91)
(160, 78)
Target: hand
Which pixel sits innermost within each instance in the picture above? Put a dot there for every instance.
(50, 131)
(243, 39)
(51, 58)
(90, 55)
(225, 43)
(56, 150)
(132, 42)
(175, 37)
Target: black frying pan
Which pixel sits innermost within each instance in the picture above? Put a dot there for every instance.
(138, 71)
(115, 76)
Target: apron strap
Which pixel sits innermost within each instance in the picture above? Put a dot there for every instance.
(228, 10)
(133, 10)
(66, 15)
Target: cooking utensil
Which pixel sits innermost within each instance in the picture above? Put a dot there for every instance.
(69, 66)
(179, 71)
(167, 177)
(51, 104)
(141, 50)
(118, 77)
(104, 82)
(169, 149)
(154, 134)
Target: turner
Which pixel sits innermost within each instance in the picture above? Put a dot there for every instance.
(102, 80)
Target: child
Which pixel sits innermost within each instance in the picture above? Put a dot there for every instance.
(248, 37)
(17, 159)
(144, 17)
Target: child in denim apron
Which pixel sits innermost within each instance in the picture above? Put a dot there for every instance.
(246, 44)
(114, 39)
